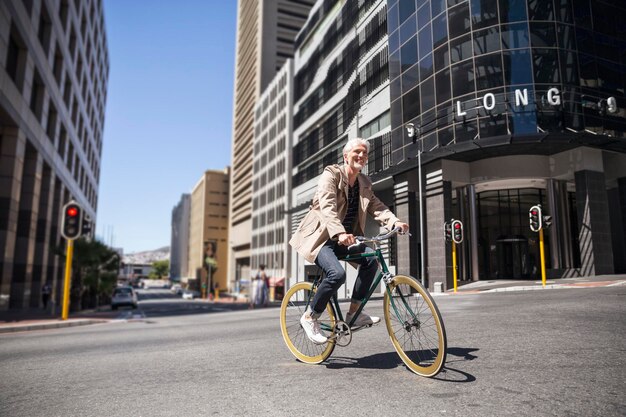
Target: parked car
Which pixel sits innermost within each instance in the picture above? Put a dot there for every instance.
(177, 289)
(123, 296)
(190, 295)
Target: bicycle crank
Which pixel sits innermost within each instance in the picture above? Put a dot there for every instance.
(341, 333)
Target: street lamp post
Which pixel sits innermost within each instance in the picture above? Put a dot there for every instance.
(412, 131)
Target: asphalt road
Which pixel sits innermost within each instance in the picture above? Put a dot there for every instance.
(537, 353)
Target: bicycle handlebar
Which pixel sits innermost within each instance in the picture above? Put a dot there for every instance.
(381, 237)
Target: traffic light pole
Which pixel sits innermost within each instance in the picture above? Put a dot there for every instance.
(454, 273)
(68, 278)
(543, 258)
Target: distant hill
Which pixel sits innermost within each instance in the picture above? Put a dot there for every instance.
(147, 257)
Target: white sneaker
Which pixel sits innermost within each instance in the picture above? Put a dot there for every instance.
(312, 329)
(362, 320)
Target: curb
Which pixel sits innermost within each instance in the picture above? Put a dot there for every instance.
(576, 285)
(49, 325)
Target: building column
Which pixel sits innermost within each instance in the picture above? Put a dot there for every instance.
(617, 211)
(401, 210)
(438, 208)
(12, 149)
(473, 232)
(55, 264)
(26, 229)
(42, 237)
(596, 251)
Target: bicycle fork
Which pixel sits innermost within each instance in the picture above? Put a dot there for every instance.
(388, 278)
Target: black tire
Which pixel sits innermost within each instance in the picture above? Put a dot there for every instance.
(415, 326)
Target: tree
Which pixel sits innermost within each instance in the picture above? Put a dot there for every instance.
(160, 269)
(95, 267)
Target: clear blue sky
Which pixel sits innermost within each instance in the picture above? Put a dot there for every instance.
(168, 112)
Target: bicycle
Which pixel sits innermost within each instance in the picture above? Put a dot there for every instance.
(412, 318)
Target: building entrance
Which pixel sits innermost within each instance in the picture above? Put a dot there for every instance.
(507, 248)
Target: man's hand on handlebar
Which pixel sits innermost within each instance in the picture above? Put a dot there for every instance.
(346, 239)
(404, 228)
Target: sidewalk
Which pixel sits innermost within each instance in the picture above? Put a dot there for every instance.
(33, 319)
(39, 319)
(504, 285)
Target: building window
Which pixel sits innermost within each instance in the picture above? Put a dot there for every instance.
(45, 29)
(16, 59)
(36, 96)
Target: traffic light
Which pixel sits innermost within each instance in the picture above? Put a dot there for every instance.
(534, 216)
(72, 221)
(457, 231)
(447, 231)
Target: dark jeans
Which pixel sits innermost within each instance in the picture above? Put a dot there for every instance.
(336, 274)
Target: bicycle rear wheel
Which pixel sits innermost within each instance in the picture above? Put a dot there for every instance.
(292, 308)
(415, 326)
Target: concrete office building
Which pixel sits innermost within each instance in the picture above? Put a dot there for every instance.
(265, 33)
(272, 175)
(208, 230)
(179, 252)
(341, 90)
(54, 69)
(510, 102)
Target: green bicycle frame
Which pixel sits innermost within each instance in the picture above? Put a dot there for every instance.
(384, 271)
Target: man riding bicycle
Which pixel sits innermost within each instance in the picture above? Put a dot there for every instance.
(338, 212)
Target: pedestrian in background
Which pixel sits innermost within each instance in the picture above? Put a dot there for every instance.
(259, 288)
(45, 294)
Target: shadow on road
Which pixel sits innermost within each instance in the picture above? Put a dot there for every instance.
(390, 360)
(387, 360)
(464, 354)
(449, 374)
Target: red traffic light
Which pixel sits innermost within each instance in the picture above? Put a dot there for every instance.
(457, 225)
(72, 211)
(534, 212)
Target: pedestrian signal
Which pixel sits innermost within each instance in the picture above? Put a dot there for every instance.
(546, 221)
(72, 221)
(447, 231)
(457, 231)
(87, 226)
(534, 216)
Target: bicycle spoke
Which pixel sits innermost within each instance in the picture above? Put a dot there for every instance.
(292, 309)
(415, 327)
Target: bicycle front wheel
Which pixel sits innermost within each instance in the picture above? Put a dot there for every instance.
(292, 308)
(415, 326)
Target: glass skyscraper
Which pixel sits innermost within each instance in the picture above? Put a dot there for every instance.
(510, 99)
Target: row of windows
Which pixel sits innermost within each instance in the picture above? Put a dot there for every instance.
(541, 66)
(381, 122)
(342, 26)
(272, 237)
(276, 108)
(97, 76)
(375, 73)
(269, 196)
(516, 37)
(282, 101)
(268, 120)
(577, 113)
(268, 158)
(272, 260)
(17, 56)
(267, 217)
(343, 66)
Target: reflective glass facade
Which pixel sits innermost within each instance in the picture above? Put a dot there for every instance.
(465, 71)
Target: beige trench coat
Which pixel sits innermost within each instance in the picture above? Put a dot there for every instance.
(329, 207)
